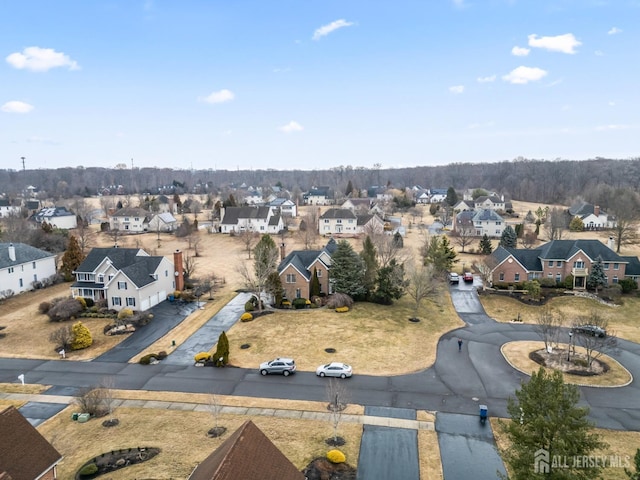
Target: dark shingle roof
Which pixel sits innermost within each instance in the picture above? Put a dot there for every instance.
(246, 454)
(486, 214)
(301, 260)
(338, 213)
(24, 453)
(131, 212)
(24, 254)
(633, 267)
(138, 268)
(233, 214)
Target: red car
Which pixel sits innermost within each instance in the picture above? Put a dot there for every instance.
(467, 277)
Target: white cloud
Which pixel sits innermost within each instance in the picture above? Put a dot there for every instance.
(490, 78)
(220, 96)
(291, 127)
(522, 75)
(614, 31)
(520, 51)
(39, 59)
(457, 89)
(16, 106)
(560, 43)
(612, 104)
(331, 27)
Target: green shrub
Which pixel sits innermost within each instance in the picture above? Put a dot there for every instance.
(249, 307)
(147, 359)
(89, 469)
(336, 456)
(81, 337)
(246, 317)
(547, 282)
(342, 309)
(299, 303)
(628, 285)
(568, 282)
(89, 301)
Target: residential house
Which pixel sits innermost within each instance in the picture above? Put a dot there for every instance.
(559, 258)
(483, 221)
(338, 221)
(593, 218)
(381, 194)
(296, 271)
(24, 453)
(318, 196)
(422, 197)
(165, 204)
(463, 206)
(57, 217)
(247, 454)
(162, 222)
(254, 219)
(358, 205)
(10, 208)
(253, 197)
(490, 202)
(129, 220)
(284, 206)
(23, 267)
(32, 206)
(370, 224)
(438, 195)
(127, 277)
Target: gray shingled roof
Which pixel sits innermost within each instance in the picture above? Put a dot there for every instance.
(487, 215)
(131, 212)
(633, 267)
(302, 259)
(233, 214)
(24, 254)
(338, 213)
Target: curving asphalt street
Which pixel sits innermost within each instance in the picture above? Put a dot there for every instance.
(456, 384)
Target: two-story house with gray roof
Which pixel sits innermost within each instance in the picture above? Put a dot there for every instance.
(253, 219)
(130, 220)
(23, 267)
(558, 259)
(482, 221)
(592, 216)
(296, 271)
(57, 217)
(127, 278)
(319, 196)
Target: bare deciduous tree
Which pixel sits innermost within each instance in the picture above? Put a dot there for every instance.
(464, 234)
(548, 323)
(423, 283)
(555, 225)
(62, 337)
(485, 269)
(338, 396)
(595, 345)
(248, 239)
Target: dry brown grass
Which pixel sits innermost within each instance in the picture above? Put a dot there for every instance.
(517, 354)
(429, 455)
(182, 436)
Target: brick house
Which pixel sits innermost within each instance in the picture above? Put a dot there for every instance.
(296, 271)
(24, 453)
(559, 258)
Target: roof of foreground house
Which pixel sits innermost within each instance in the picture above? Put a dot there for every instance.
(24, 453)
(24, 253)
(247, 454)
(301, 260)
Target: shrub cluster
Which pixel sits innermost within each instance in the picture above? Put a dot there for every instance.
(246, 317)
(342, 309)
(336, 456)
(148, 358)
(299, 303)
(81, 337)
(339, 300)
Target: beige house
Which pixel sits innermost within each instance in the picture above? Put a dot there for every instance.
(130, 220)
(344, 222)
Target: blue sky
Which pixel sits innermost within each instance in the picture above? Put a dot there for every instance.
(315, 84)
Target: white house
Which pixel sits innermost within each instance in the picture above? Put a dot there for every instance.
(129, 220)
(489, 222)
(286, 207)
(342, 221)
(592, 216)
(319, 196)
(57, 217)
(127, 278)
(22, 267)
(254, 219)
(358, 205)
(490, 202)
(9, 208)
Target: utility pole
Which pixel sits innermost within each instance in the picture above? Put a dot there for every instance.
(23, 163)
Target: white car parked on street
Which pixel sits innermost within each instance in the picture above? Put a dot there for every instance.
(334, 369)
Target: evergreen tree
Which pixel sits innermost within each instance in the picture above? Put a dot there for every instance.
(347, 271)
(519, 230)
(485, 245)
(597, 278)
(349, 189)
(314, 288)
(370, 260)
(390, 283)
(265, 261)
(274, 287)
(398, 241)
(81, 337)
(230, 202)
(545, 415)
(509, 239)
(71, 259)
(576, 224)
(636, 463)
(452, 196)
(221, 357)
(438, 252)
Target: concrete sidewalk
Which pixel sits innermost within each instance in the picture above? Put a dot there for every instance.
(63, 400)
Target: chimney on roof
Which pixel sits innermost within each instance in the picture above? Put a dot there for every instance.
(610, 243)
(282, 251)
(179, 270)
(12, 252)
(596, 210)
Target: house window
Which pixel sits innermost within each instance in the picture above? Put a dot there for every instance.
(498, 223)
(33, 264)
(35, 277)
(126, 227)
(20, 281)
(326, 220)
(516, 277)
(559, 263)
(10, 269)
(100, 278)
(606, 266)
(298, 293)
(558, 278)
(131, 302)
(616, 266)
(291, 278)
(319, 273)
(615, 279)
(122, 285)
(501, 276)
(550, 275)
(116, 301)
(550, 263)
(166, 273)
(339, 220)
(578, 264)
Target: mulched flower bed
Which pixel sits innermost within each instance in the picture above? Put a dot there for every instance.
(322, 469)
(117, 459)
(576, 366)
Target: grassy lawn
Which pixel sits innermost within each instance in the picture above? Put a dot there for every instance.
(362, 337)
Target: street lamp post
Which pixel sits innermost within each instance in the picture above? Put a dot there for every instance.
(569, 349)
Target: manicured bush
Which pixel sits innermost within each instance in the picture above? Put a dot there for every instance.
(547, 282)
(246, 317)
(125, 313)
(64, 309)
(89, 302)
(286, 303)
(44, 307)
(162, 355)
(628, 285)
(81, 337)
(88, 470)
(336, 456)
(248, 307)
(148, 358)
(339, 300)
(342, 309)
(82, 301)
(202, 357)
(299, 303)
(568, 282)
